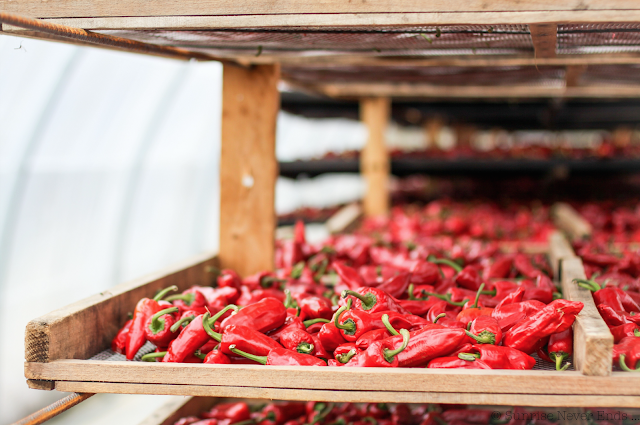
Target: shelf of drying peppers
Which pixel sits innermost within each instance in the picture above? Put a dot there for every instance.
(353, 302)
(614, 279)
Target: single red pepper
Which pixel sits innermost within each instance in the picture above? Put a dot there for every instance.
(615, 317)
(145, 308)
(314, 307)
(245, 338)
(119, 343)
(499, 357)
(428, 343)
(526, 308)
(621, 331)
(235, 412)
(297, 340)
(382, 353)
(627, 353)
(522, 263)
(348, 276)
(319, 351)
(330, 336)
(472, 416)
(280, 357)
(372, 300)
(263, 316)
(560, 347)
(291, 322)
(499, 269)
(191, 299)
(346, 352)
(474, 310)
(369, 337)
(418, 307)
(485, 330)
(158, 329)
(229, 278)
(216, 356)
(556, 317)
(469, 278)
(465, 362)
(397, 285)
(425, 273)
(514, 296)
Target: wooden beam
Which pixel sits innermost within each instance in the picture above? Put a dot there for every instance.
(96, 320)
(544, 37)
(559, 249)
(248, 168)
(567, 219)
(572, 75)
(593, 342)
(199, 15)
(344, 219)
(422, 91)
(374, 158)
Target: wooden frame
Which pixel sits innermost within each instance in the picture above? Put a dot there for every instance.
(375, 167)
(53, 356)
(570, 221)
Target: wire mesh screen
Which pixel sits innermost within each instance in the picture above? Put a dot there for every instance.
(598, 38)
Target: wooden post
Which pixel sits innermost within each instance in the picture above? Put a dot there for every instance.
(374, 159)
(248, 168)
(544, 37)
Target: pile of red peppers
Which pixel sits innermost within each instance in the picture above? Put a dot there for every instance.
(357, 301)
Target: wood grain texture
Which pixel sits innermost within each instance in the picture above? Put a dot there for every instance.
(593, 343)
(374, 157)
(62, 8)
(248, 168)
(423, 91)
(83, 329)
(573, 74)
(559, 249)
(357, 396)
(35, 384)
(329, 378)
(544, 37)
(570, 221)
(173, 410)
(344, 219)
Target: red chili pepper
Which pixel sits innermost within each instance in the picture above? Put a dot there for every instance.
(616, 318)
(372, 300)
(418, 307)
(397, 285)
(190, 339)
(348, 276)
(119, 342)
(245, 338)
(297, 340)
(525, 308)
(621, 331)
(560, 348)
(513, 297)
(158, 329)
(330, 336)
(319, 351)
(382, 353)
(544, 295)
(457, 363)
(469, 278)
(499, 269)
(144, 310)
(191, 299)
(369, 337)
(314, 307)
(263, 316)
(472, 312)
(522, 263)
(627, 353)
(229, 278)
(428, 343)
(499, 357)
(556, 317)
(189, 420)
(425, 273)
(345, 352)
(472, 416)
(291, 322)
(235, 412)
(216, 357)
(280, 357)
(485, 330)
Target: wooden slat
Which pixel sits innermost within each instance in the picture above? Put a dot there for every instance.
(422, 91)
(81, 8)
(331, 378)
(559, 249)
(173, 410)
(84, 328)
(248, 168)
(344, 219)
(544, 37)
(360, 396)
(374, 158)
(573, 74)
(593, 343)
(567, 219)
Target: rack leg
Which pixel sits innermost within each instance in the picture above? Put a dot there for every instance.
(374, 159)
(248, 168)
(54, 409)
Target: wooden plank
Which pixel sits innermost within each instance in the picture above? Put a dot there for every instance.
(61, 8)
(570, 221)
(593, 343)
(83, 329)
(559, 249)
(359, 396)
(173, 410)
(36, 384)
(155, 16)
(331, 378)
(422, 91)
(248, 168)
(544, 37)
(374, 157)
(573, 74)
(344, 219)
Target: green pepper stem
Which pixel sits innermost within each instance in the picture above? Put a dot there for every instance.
(164, 292)
(296, 270)
(455, 266)
(183, 321)
(200, 355)
(321, 270)
(259, 359)
(345, 357)
(467, 356)
(636, 332)
(157, 324)
(387, 324)
(492, 292)
(310, 322)
(390, 354)
(305, 348)
(208, 322)
(289, 302)
(485, 337)
(187, 298)
(447, 298)
(438, 317)
(323, 413)
(367, 301)
(350, 327)
(370, 419)
(591, 285)
(623, 365)
(151, 357)
(410, 290)
(475, 304)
